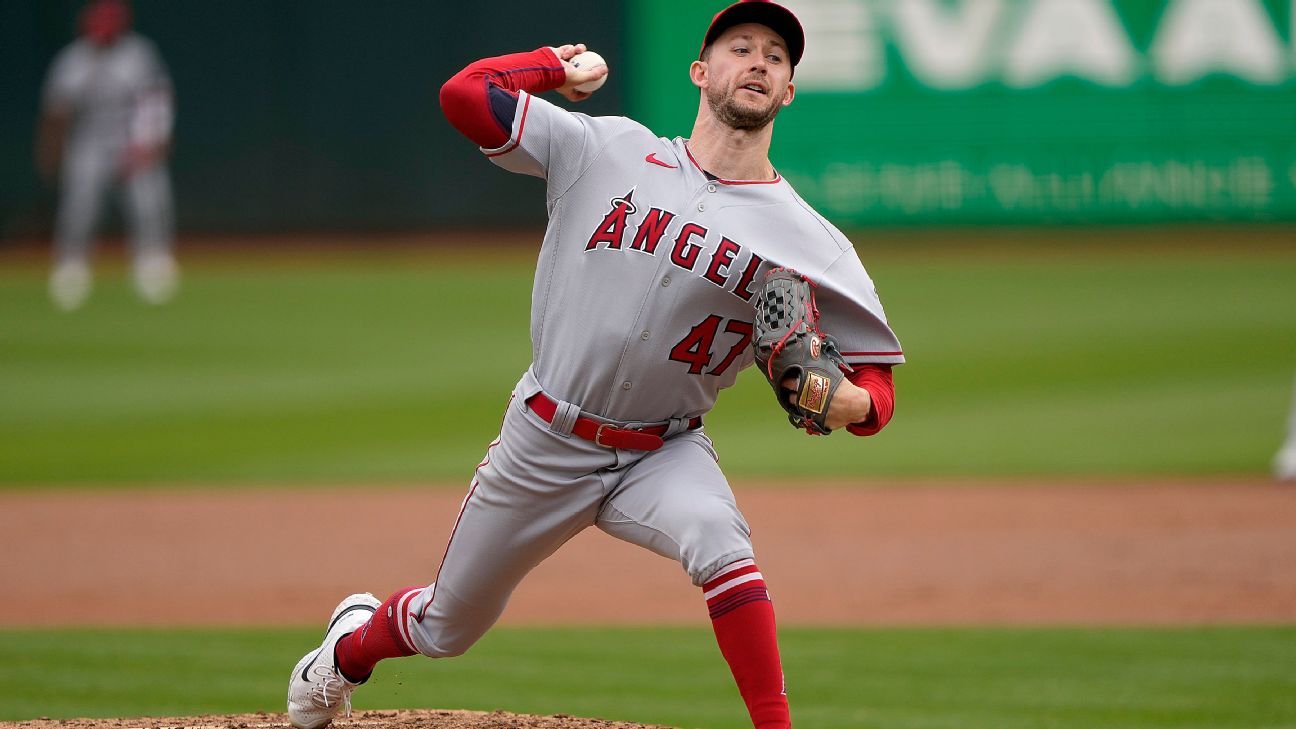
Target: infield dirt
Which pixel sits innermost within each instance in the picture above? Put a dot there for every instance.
(1165, 553)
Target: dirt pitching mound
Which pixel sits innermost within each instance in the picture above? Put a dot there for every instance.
(422, 719)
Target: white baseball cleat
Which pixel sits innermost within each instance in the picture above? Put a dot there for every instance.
(1284, 464)
(69, 284)
(317, 691)
(157, 277)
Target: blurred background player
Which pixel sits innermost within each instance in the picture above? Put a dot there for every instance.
(105, 125)
(1284, 464)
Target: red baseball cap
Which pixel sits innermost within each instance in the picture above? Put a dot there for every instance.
(771, 15)
(103, 20)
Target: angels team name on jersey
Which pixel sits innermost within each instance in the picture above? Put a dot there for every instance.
(649, 233)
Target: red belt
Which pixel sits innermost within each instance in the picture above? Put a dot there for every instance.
(606, 434)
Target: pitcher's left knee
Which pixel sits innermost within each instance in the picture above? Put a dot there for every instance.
(713, 541)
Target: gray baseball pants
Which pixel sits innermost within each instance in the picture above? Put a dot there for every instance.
(539, 487)
(90, 171)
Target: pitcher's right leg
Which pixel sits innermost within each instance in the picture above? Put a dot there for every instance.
(532, 492)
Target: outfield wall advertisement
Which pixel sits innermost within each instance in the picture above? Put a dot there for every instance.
(997, 111)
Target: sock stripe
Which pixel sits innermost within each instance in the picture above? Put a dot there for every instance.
(728, 571)
(722, 588)
(731, 595)
(744, 597)
(742, 615)
(401, 619)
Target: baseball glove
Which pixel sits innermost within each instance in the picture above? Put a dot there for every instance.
(789, 344)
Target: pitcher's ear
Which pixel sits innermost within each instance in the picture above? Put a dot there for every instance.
(698, 73)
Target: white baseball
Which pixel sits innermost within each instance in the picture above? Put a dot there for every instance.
(588, 60)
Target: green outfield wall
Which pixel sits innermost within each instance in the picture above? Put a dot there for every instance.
(1003, 111)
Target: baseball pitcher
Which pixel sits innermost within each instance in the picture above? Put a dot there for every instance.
(105, 124)
(664, 262)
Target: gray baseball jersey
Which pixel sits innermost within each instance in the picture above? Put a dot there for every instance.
(642, 301)
(641, 313)
(103, 88)
(117, 96)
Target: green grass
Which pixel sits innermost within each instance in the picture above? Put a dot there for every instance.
(1216, 678)
(1082, 361)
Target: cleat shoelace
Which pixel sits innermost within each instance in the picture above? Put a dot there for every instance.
(329, 688)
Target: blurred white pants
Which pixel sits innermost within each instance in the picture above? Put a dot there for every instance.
(90, 172)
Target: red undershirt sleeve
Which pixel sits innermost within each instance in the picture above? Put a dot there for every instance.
(876, 378)
(480, 101)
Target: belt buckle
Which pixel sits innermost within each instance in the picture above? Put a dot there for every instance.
(598, 435)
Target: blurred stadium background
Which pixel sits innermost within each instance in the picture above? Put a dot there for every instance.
(1081, 215)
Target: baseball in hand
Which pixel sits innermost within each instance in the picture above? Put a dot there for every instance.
(586, 61)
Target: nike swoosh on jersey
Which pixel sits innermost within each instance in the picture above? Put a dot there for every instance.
(652, 157)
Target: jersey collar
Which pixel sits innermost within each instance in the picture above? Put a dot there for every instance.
(777, 177)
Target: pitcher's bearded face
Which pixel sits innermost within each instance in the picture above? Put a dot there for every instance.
(737, 108)
(749, 76)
